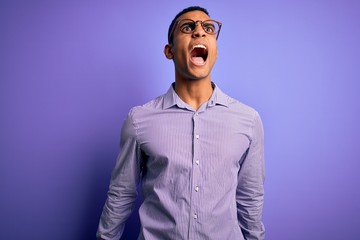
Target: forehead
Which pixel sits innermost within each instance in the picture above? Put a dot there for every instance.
(194, 15)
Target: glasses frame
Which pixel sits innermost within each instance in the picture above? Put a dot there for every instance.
(171, 35)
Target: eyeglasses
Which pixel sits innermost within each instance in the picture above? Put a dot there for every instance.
(188, 26)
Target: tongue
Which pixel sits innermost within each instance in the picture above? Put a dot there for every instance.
(197, 60)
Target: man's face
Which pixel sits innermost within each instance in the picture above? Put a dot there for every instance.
(194, 54)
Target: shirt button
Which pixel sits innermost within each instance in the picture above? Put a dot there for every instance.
(197, 136)
(195, 216)
(197, 162)
(196, 188)
(197, 114)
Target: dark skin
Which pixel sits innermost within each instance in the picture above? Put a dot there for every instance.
(192, 78)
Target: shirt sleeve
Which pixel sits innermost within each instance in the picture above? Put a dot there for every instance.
(250, 190)
(123, 184)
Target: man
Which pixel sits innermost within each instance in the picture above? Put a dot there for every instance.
(196, 152)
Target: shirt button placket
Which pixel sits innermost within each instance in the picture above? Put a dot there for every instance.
(196, 173)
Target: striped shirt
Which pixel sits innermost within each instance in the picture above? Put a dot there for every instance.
(201, 173)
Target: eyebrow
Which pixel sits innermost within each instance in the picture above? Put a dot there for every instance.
(193, 19)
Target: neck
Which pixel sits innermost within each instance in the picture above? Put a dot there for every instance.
(194, 92)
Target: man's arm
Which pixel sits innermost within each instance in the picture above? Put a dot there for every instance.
(122, 190)
(250, 191)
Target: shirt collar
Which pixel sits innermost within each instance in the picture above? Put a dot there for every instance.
(217, 98)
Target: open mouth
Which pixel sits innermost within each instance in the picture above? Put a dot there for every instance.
(199, 54)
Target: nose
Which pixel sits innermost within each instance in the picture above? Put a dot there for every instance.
(199, 31)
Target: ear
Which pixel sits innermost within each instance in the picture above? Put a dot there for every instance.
(168, 51)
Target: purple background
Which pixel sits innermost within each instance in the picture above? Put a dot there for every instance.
(71, 70)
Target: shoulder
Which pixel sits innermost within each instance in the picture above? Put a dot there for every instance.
(245, 114)
(241, 108)
(234, 105)
(138, 114)
(248, 116)
(155, 104)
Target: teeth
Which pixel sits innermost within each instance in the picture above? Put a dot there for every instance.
(199, 46)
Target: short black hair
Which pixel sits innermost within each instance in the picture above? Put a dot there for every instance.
(188, 9)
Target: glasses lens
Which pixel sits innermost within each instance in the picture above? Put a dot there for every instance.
(187, 26)
(210, 26)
